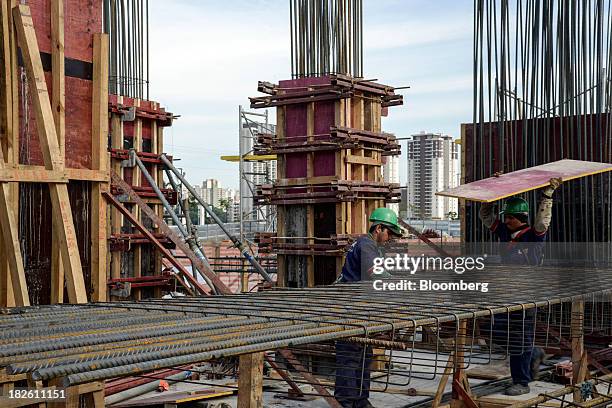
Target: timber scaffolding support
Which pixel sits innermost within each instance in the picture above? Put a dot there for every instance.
(64, 346)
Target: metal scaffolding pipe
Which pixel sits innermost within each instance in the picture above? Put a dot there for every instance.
(237, 243)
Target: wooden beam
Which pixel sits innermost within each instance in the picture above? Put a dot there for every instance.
(13, 140)
(38, 174)
(12, 251)
(250, 380)
(62, 214)
(579, 362)
(116, 221)
(362, 160)
(13, 285)
(136, 181)
(58, 99)
(100, 160)
(58, 70)
(158, 176)
(6, 121)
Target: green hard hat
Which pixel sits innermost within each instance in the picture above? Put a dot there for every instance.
(515, 205)
(387, 217)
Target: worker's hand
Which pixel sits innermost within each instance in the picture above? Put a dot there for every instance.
(555, 182)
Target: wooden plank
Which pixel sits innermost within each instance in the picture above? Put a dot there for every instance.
(99, 145)
(532, 178)
(100, 159)
(38, 174)
(14, 286)
(136, 181)
(6, 122)
(62, 215)
(116, 217)
(32, 175)
(579, 364)
(289, 182)
(443, 381)
(157, 146)
(12, 251)
(13, 140)
(250, 381)
(310, 216)
(281, 260)
(363, 160)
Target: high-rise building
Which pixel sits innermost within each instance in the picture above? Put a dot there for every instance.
(210, 192)
(433, 165)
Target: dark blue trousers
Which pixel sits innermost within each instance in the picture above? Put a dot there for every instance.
(516, 334)
(352, 388)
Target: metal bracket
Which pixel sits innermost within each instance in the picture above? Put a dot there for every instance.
(130, 115)
(122, 290)
(131, 160)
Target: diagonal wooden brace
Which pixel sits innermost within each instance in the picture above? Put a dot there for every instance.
(62, 214)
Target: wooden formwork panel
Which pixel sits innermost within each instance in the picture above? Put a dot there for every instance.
(137, 124)
(314, 172)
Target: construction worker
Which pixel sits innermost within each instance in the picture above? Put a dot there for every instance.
(352, 388)
(525, 246)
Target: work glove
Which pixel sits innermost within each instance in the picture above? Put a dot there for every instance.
(554, 184)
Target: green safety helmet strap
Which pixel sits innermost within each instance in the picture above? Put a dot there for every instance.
(516, 205)
(386, 217)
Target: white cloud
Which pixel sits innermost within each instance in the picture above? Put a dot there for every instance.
(207, 56)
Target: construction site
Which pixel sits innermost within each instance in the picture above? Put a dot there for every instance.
(110, 297)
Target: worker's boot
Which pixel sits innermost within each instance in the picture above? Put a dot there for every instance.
(537, 357)
(364, 404)
(517, 389)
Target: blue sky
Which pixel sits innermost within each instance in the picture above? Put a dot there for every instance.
(207, 56)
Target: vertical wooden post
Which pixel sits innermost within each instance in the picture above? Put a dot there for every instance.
(9, 135)
(250, 381)
(310, 213)
(136, 181)
(100, 159)
(459, 379)
(59, 116)
(281, 274)
(116, 216)
(579, 362)
(158, 176)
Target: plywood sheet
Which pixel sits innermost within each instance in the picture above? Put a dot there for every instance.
(532, 178)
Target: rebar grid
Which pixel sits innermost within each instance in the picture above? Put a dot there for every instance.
(542, 93)
(122, 339)
(326, 37)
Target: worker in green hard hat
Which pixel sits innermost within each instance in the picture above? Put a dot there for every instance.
(352, 385)
(360, 256)
(525, 246)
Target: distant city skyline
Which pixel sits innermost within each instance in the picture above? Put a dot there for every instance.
(218, 51)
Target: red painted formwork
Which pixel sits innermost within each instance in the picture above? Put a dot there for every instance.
(78, 125)
(295, 128)
(81, 20)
